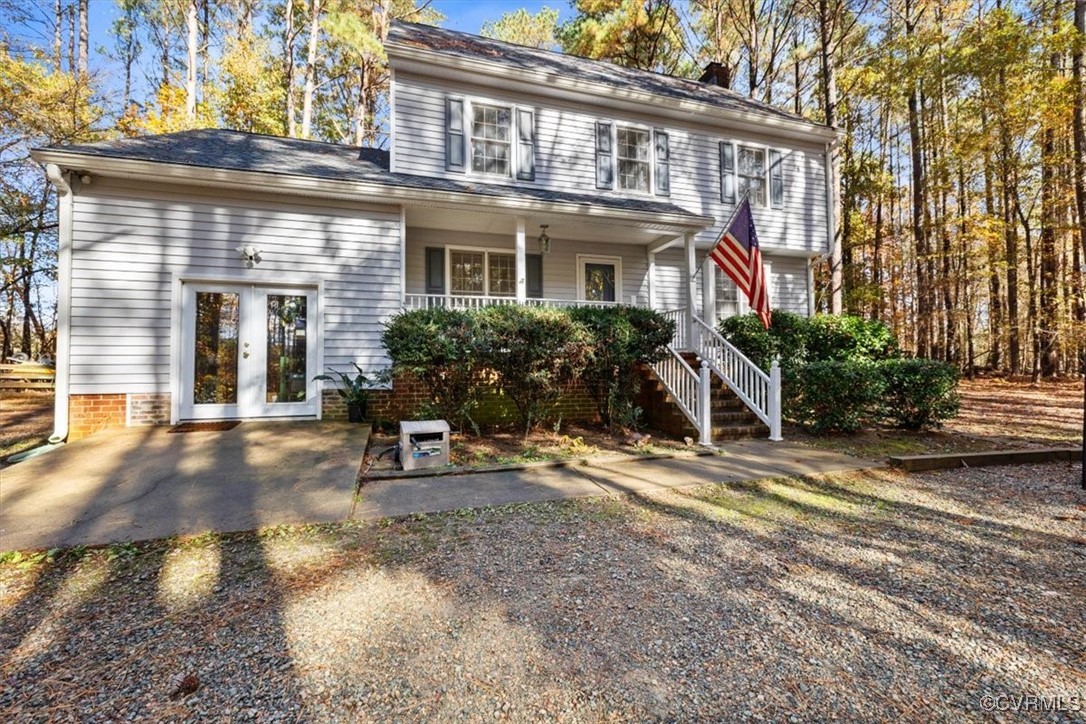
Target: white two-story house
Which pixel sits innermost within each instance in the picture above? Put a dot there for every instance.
(212, 274)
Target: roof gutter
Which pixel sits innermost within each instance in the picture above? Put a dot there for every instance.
(64, 301)
(433, 60)
(357, 191)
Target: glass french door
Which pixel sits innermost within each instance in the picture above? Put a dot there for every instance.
(248, 351)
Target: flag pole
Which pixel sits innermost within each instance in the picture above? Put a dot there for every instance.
(722, 232)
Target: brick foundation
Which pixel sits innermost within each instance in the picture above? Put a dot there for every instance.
(88, 414)
(406, 400)
(149, 409)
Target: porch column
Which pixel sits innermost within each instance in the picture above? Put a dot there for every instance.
(652, 280)
(691, 288)
(708, 291)
(521, 263)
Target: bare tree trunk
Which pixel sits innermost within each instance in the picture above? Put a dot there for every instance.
(1079, 133)
(363, 103)
(193, 44)
(923, 310)
(1010, 238)
(288, 43)
(72, 61)
(311, 68)
(1047, 323)
(829, 103)
(205, 46)
(58, 30)
(84, 38)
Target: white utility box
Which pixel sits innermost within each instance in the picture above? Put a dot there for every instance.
(424, 444)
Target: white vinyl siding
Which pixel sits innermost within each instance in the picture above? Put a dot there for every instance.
(565, 159)
(787, 281)
(132, 241)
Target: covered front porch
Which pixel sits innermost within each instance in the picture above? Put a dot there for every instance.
(467, 258)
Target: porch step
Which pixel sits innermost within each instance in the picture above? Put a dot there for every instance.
(731, 419)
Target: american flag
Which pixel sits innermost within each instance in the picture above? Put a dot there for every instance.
(737, 253)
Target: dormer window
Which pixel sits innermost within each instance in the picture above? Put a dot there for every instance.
(491, 134)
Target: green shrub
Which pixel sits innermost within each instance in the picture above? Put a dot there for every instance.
(844, 337)
(438, 346)
(838, 396)
(919, 393)
(536, 353)
(621, 337)
(796, 339)
(785, 339)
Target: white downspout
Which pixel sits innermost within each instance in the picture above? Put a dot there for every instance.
(64, 300)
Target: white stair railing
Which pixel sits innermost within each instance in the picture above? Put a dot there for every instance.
(686, 388)
(760, 392)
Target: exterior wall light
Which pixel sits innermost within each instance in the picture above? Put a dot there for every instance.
(544, 240)
(250, 254)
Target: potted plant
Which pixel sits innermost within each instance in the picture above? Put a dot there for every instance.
(355, 391)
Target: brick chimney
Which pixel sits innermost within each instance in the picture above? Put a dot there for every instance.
(716, 74)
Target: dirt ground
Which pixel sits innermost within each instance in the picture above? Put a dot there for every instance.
(26, 420)
(507, 446)
(876, 596)
(996, 413)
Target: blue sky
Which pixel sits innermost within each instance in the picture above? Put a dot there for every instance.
(467, 15)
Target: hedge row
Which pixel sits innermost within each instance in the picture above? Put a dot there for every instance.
(532, 354)
(847, 396)
(844, 373)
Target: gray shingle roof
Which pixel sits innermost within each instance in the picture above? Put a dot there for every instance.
(238, 151)
(477, 47)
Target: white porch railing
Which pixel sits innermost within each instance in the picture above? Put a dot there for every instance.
(760, 392)
(461, 301)
(682, 327)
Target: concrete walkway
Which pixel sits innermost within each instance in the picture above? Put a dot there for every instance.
(744, 460)
(144, 483)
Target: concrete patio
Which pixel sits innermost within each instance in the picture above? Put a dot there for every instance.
(143, 483)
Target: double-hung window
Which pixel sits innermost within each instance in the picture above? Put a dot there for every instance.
(751, 170)
(482, 273)
(634, 158)
(629, 158)
(491, 139)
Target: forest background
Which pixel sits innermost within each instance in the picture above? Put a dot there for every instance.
(961, 166)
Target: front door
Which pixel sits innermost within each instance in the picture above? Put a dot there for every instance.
(248, 351)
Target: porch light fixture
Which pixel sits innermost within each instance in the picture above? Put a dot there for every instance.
(250, 254)
(544, 240)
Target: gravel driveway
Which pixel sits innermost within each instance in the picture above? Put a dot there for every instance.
(861, 597)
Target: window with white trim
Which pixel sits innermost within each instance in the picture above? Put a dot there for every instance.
(491, 139)
(727, 296)
(634, 154)
(751, 172)
(482, 273)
